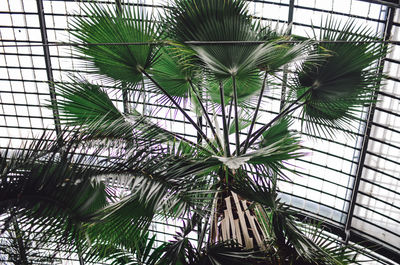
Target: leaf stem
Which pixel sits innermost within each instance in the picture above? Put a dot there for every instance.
(256, 112)
(287, 110)
(226, 133)
(230, 113)
(235, 106)
(198, 129)
(177, 136)
(206, 116)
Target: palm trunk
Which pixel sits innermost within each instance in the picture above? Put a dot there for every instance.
(239, 223)
(234, 221)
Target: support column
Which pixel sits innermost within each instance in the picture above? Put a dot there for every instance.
(49, 69)
(389, 17)
(285, 68)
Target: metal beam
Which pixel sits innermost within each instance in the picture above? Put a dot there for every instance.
(285, 68)
(49, 69)
(118, 4)
(358, 237)
(389, 3)
(389, 17)
(163, 43)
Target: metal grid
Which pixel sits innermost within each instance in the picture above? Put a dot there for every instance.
(352, 184)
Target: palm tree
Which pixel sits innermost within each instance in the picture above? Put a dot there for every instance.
(211, 64)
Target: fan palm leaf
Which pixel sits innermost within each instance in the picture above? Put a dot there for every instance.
(212, 20)
(247, 85)
(121, 62)
(173, 72)
(342, 83)
(88, 106)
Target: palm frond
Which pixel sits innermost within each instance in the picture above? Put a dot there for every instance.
(88, 106)
(61, 192)
(344, 82)
(121, 62)
(83, 103)
(230, 253)
(261, 191)
(277, 146)
(182, 251)
(332, 249)
(139, 250)
(244, 121)
(155, 186)
(293, 240)
(170, 185)
(173, 73)
(212, 21)
(38, 186)
(247, 85)
(191, 19)
(272, 156)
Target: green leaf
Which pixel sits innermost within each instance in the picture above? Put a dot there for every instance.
(121, 62)
(277, 145)
(52, 189)
(247, 85)
(17, 246)
(203, 20)
(261, 192)
(88, 106)
(344, 81)
(244, 122)
(83, 103)
(171, 72)
(276, 132)
(285, 147)
(213, 20)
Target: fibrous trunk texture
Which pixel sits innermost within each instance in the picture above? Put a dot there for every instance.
(235, 221)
